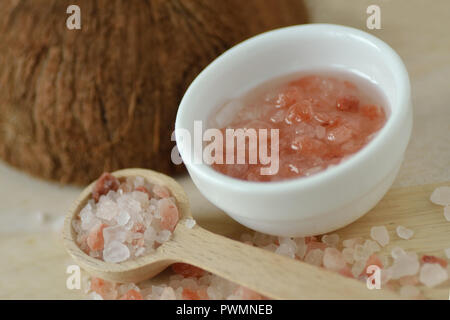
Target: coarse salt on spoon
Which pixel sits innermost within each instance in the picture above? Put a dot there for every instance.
(267, 273)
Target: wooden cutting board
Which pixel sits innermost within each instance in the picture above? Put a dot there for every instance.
(34, 265)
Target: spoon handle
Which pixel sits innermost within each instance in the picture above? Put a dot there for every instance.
(265, 272)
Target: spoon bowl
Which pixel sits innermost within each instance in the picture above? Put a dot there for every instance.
(272, 275)
(131, 270)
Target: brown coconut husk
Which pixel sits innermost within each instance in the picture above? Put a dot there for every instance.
(75, 103)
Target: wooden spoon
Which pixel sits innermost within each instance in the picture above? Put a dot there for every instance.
(270, 274)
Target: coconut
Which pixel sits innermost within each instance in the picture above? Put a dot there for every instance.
(76, 103)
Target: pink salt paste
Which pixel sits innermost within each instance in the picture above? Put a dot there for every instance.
(125, 219)
(322, 121)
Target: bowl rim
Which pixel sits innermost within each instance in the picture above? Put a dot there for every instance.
(375, 145)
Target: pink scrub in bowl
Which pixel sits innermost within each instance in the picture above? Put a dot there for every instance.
(335, 196)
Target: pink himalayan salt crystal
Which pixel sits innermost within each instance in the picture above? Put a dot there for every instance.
(404, 232)
(168, 294)
(315, 257)
(361, 253)
(107, 209)
(432, 274)
(114, 233)
(301, 247)
(162, 293)
(447, 213)
(405, 265)
(380, 235)
(371, 246)
(190, 223)
(169, 214)
(333, 259)
(347, 254)
(358, 268)
(441, 196)
(396, 252)
(94, 296)
(351, 243)
(287, 247)
(106, 289)
(331, 239)
(409, 292)
(116, 252)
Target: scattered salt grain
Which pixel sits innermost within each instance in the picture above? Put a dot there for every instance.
(441, 196)
(432, 274)
(386, 276)
(190, 223)
(94, 296)
(404, 233)
(380, 234)
(371, 247)
(360, 253)
(301, 247)
(351, 243)
(168, 294)
(347, 253)
(358, 268)
(333, 259)
(331, 239)
(396, 252)
(285, 249)
(289, 247)
(270, 247)
(447, 213)
(405, 265)
(314, 257)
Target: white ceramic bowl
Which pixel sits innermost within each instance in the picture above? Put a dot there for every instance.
(335, 197)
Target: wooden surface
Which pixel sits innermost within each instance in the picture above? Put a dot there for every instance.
(33, 263)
